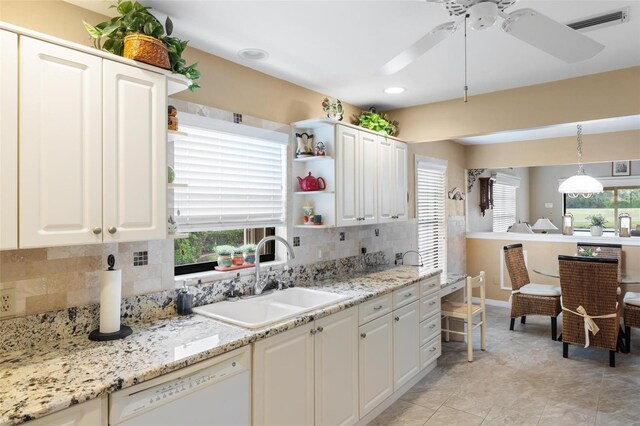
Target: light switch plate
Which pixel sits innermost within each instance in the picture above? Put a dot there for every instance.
(548, 205)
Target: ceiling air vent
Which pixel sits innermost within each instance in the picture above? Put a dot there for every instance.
(602, 20)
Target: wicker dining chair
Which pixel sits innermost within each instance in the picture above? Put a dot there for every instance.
(528, 298)
(590, 303)
(631, 316)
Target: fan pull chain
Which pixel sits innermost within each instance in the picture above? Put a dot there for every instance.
(466, 88)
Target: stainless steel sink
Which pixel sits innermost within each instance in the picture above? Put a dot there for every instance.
(259, 312)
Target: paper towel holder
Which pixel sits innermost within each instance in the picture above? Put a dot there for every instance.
(124, 331)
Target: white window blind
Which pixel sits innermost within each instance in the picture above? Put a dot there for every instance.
(430, 204)
(233, 180)
(504, 207)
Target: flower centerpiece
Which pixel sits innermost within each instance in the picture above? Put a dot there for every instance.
(597, 224)
(136, 34)
(378, 122)
(588, 252)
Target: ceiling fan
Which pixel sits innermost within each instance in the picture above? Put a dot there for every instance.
(527, 25)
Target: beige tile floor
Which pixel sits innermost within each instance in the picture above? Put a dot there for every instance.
(522, 379)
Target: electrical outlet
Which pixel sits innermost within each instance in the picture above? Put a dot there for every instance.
(7, 302)
(398, 256)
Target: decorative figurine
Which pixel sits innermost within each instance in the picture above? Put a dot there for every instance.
(305, 145)
(333, 108)
(321, 149)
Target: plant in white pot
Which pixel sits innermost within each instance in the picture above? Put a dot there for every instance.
(597, 224)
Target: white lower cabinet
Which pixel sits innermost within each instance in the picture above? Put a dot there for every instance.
(406, 339)
(376, 362)
(90, 413)
(308, 375)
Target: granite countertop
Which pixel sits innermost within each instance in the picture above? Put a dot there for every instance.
(43, 380)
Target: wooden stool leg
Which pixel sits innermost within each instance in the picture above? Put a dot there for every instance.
(470, 339)
(483, 332)
(446, 325)
(523, 320)
(513, 322)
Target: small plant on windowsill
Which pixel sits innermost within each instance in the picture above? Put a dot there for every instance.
(225, 255)
(597, 224)
(249, 253)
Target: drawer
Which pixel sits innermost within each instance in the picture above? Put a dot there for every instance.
(404, 296)
(451, 288)
(430, 352)
(429, 306)
(429, 329)
(375, 308)
(429, 285)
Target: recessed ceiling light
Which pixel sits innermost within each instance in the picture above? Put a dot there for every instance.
(394, 90)
(253, 54)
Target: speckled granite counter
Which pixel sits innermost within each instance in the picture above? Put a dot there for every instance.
(46, 379)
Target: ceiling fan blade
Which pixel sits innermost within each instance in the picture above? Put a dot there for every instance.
(550, 36)
(418, 48)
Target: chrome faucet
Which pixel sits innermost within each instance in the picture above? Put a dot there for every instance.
(259, 286)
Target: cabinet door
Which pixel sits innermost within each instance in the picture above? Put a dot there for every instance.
(336, 373)
(135, 159)
(60, 145)
(8, 140)
(386, 180)
(406, 339)
(368, 171)
(376, 363)
(401, 187)
(90, 413)
(283, 383)
(347, 179)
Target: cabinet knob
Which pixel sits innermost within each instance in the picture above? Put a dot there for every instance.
(432, 326)
(433, 302)
(313, 331)
(97, 230)
(113, 230)
(320, 329)
(408, 295)
(363, 335)
(397, 318)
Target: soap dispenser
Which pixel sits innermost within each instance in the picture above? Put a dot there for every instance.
(184, 303)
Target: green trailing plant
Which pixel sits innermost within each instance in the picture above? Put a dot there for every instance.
(378, 122)
(248, 248)
(597, 220)
(136, 18)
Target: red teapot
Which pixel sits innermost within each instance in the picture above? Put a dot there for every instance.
(312, 184)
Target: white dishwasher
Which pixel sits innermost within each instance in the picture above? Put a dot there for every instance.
(215, 392)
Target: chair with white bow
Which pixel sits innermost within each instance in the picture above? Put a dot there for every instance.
(589, 303)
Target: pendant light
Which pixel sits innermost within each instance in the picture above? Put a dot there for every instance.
(580, 184)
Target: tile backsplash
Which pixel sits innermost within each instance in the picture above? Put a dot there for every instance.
(53, 278)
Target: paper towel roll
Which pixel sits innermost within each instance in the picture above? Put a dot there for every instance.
(110, 290)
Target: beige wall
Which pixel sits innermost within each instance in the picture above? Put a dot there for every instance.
(555, 151)
(225, 85)
(483, 255)
(610, 94)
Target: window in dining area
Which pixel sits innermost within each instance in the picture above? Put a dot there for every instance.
(610, 203)
(504, 207)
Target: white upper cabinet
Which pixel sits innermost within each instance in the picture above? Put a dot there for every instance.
(134, 153)
(392, 180)
(8, 140)
(401, 187)
(60, 145)
(356, 176)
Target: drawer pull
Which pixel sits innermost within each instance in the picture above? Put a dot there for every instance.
(377, 308)
(433, 302)
(432, 285)
(432, 326)
(313, 332)
(363, 335)
(320, 329)
(433, 348)
(397, 318)
(408, 295)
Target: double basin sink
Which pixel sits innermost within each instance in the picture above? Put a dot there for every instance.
(261, 311)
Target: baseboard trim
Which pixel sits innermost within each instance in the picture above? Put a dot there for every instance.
(396, 395)
(493, 302)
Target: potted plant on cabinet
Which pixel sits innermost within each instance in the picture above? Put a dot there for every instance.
(378, 122)
(597, 224)
(136, 34)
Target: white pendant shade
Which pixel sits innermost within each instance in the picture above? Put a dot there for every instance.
(580, 184)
